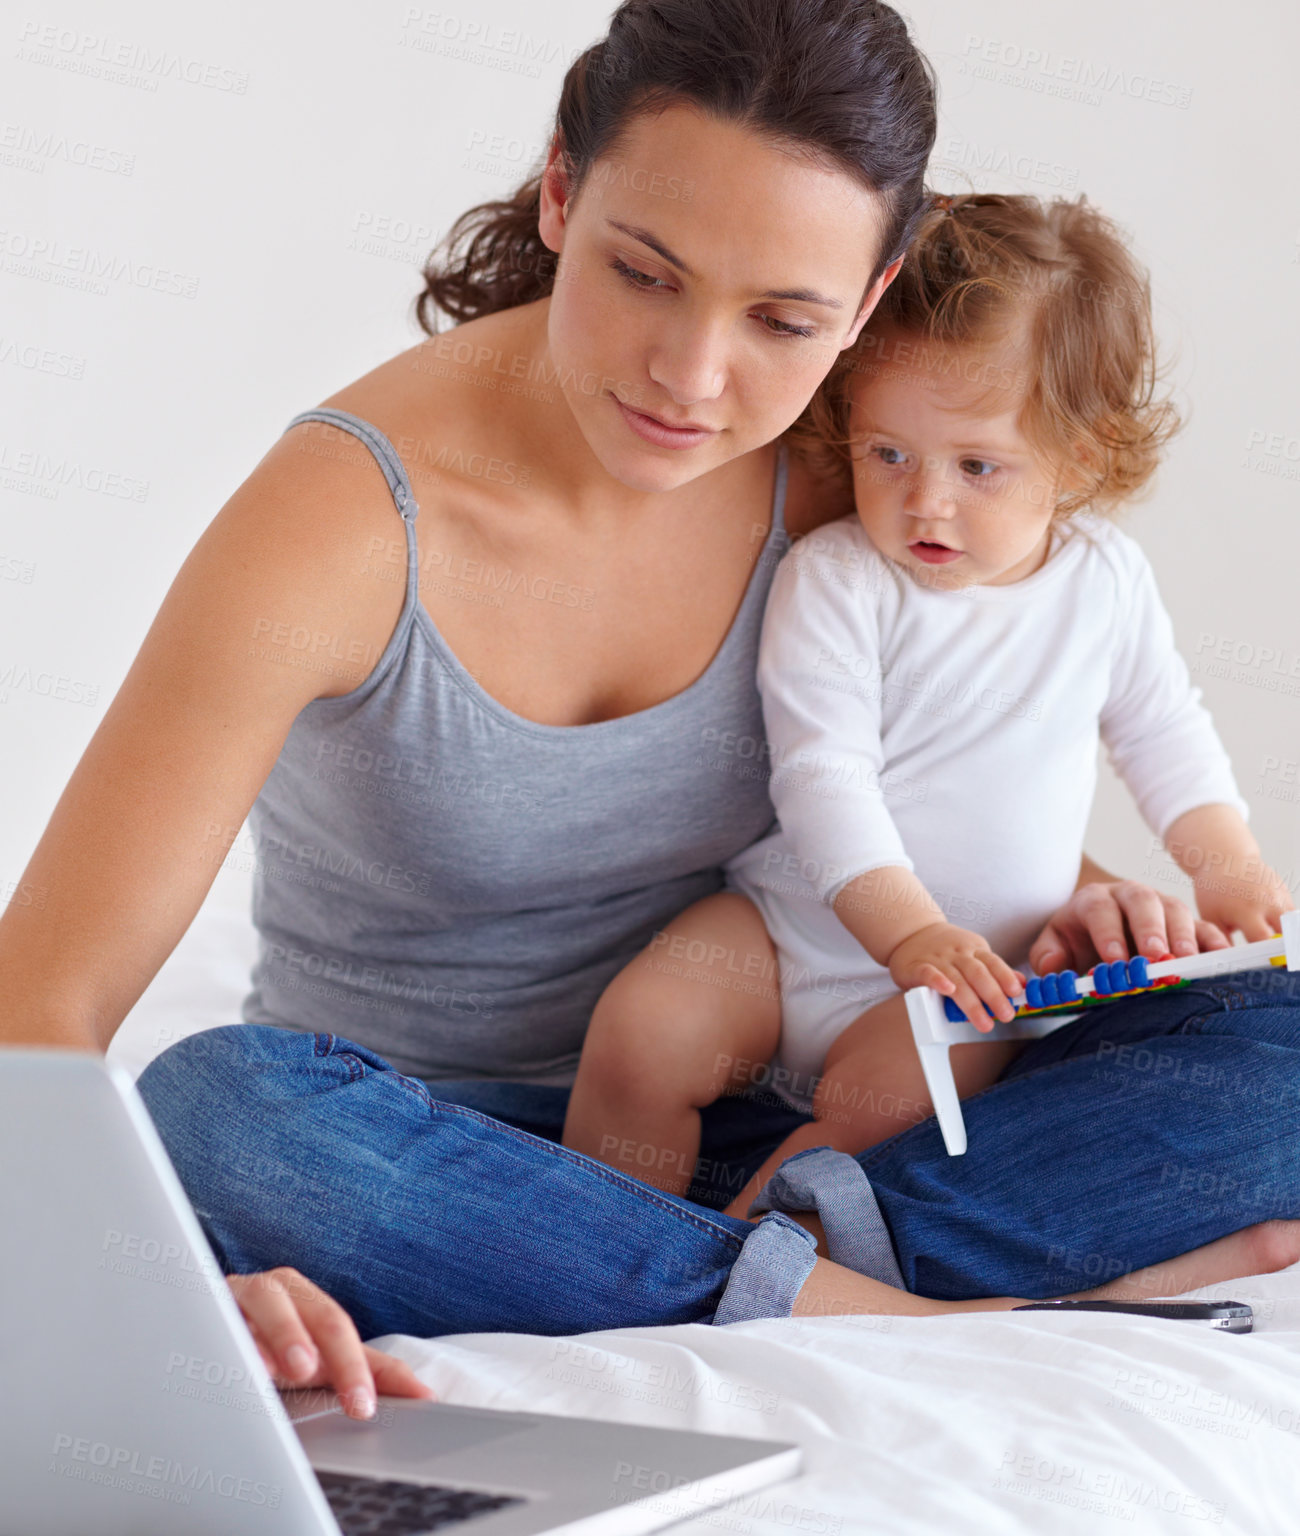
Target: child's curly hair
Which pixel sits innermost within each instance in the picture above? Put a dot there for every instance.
(981, 260)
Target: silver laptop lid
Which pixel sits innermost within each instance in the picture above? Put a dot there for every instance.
(127, 1410)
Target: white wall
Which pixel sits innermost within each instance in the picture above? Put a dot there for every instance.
(284, 173)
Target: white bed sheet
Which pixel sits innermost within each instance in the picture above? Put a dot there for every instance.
(981, 1423)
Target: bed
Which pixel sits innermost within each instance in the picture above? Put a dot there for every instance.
(989, 1423)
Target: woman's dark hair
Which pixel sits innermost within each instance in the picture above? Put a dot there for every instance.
(840, 79)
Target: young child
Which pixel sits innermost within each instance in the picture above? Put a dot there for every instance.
(936, 673)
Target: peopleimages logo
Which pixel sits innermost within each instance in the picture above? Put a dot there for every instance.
(118, 60)
(80, 1457)
(1054, 74)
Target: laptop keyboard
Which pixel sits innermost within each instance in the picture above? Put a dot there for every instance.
(377, 1506)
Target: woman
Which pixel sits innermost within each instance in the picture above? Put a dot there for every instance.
(537, 747)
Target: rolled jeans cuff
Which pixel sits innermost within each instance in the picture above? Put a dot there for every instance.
(775, 1260)
(834, 1185)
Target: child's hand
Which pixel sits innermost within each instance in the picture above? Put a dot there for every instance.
(1253, 903)
(959, 964)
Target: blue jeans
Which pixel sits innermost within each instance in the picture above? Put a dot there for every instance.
(1147, 1127)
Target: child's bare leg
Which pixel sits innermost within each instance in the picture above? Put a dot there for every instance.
(678, 1026)
(872, 1087)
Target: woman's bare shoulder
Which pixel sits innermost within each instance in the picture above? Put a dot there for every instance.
(443, 386)
(317, 529)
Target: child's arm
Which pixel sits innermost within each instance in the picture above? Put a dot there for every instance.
(899, 924)
(1162, 742)
(820, 678)
(820, 675)
(1234, 887)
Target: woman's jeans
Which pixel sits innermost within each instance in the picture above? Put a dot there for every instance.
(1145, 1128)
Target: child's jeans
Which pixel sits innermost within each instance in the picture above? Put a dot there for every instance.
(1146, 1128)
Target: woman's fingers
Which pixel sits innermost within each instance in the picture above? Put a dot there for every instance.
(1091, 925)
(1063, 944)
(1101, 919)
(393, 1377)
(1162, 925)
(1182, 928)
(312, 1338)
(273, 1367)
(266, 1301)
(1102, 910)
(1148, 922)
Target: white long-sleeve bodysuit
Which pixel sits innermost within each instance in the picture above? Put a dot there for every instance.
(954, 733)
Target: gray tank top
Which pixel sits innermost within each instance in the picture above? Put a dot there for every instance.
(453, 885)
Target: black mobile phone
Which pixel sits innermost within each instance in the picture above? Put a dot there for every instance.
(1230, 1316)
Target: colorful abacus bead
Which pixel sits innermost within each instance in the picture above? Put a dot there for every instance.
(953, 1012)
(1057, 987)
(1104, 980)
(1051, 990)
(1121, 976)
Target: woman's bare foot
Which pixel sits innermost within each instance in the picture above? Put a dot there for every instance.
(1258, 1250)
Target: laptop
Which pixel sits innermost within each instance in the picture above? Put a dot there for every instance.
(135, 1400)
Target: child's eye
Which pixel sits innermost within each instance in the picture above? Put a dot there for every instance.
(894, 457)
(978, 469)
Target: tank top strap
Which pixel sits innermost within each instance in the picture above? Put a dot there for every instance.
(385, 454)
(778, 490)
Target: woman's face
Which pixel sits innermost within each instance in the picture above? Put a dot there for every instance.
(707, 280)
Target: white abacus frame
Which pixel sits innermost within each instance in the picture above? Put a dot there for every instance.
(934, 1033)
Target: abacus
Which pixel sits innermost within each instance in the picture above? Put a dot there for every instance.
(1054, 999)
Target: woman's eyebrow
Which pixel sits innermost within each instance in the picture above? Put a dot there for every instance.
(797, 295)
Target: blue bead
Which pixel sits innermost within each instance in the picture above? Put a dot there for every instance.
(953, 1012)
(1034, 992)
(1118, 976)
(1051, 991)
(1101, 980)
(1137, 969)
(1065, 981)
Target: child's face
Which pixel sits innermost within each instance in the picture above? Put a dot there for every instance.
(935, 461)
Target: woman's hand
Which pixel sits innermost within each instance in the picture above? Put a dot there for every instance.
(307, 1340)
(961, 965)
(1091, 926)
